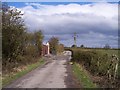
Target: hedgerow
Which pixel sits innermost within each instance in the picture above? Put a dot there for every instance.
(98, 63)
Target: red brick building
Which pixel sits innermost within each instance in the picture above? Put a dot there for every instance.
(45, 49)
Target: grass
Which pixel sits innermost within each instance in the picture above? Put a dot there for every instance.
(109, 52)
(29, 68)
(83, 76)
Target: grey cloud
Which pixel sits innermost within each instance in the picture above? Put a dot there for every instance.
(63, 20)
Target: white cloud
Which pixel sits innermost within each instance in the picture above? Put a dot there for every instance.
(97, 20)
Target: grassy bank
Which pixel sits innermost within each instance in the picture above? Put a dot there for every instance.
(6, 79)
(82, 76)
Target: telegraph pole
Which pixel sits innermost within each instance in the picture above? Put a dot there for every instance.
(75, 36)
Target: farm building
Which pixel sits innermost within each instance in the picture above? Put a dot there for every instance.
(45, 49)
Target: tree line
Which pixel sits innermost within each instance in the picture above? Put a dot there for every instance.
(20, 47)
(106, 46)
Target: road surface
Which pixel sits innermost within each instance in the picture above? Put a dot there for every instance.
(51, 75)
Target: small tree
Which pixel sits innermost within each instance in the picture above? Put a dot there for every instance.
(60, 48)
(54, 41)
(38, 40)
(82, 46)
(74, 46)
(107, 46)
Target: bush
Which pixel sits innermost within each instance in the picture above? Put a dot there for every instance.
(83, 57)
(31, 50)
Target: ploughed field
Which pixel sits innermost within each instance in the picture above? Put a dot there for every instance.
(104, 63)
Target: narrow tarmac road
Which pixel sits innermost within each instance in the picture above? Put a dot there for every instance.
(51, 75)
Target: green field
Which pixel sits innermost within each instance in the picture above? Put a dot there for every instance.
(109, 51)
(104, 51)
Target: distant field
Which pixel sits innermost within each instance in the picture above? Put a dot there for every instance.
(108, 51)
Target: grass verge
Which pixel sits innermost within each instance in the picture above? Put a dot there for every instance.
(29, 68)
(83, 76)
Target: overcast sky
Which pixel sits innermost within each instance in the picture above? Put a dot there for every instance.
(96, 24)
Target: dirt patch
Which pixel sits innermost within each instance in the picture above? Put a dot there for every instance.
(70, 80)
